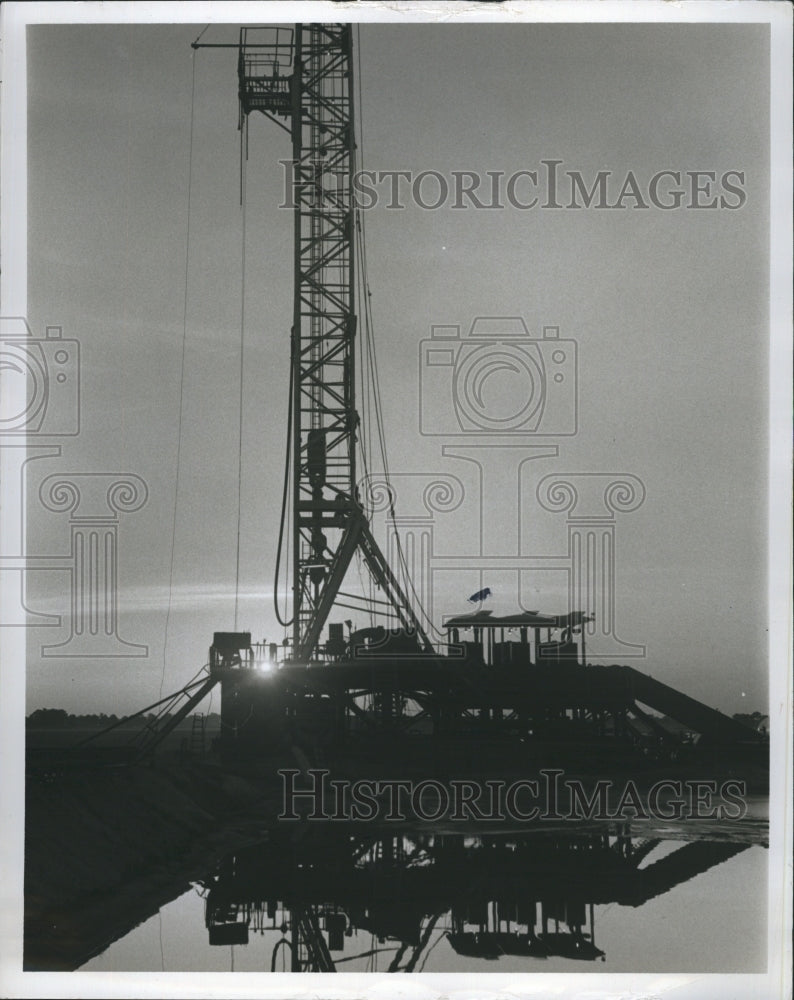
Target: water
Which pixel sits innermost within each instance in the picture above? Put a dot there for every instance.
(616, 899)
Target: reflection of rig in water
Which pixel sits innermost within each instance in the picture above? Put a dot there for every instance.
(525, 895)
(522, 677)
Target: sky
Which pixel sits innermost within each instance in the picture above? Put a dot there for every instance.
(669, 311)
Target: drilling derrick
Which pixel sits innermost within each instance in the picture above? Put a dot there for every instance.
(302, 79)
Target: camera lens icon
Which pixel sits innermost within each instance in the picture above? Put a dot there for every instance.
(40, 380)
(499, 389)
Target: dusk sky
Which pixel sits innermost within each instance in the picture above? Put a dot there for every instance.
(669, 309)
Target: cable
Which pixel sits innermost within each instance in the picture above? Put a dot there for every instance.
(201, 33)
(240, 415)
(372, 385)
(181, 368)
(287, 463)
(440, 937)
(375, 381)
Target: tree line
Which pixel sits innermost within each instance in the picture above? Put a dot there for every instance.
(59, 718)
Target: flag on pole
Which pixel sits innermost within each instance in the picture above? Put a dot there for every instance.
(480, 596)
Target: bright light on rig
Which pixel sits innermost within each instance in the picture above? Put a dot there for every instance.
(265, 658)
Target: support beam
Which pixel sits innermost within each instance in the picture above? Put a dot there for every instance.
(385, 578)
(175, 719)
(347, 548)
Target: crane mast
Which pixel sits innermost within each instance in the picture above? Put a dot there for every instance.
(304, 75)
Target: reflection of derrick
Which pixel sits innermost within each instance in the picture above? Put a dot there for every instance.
(530, 895)
(312, 953)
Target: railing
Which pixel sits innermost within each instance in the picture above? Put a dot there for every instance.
(262, 656)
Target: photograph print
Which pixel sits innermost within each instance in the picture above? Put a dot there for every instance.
(390, 432)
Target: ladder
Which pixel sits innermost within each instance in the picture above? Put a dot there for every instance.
(197, 735)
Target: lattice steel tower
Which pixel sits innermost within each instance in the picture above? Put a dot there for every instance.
(304, 75)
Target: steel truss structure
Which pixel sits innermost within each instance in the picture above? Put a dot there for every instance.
(305, 76)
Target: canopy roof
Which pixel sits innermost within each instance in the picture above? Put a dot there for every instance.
(523, 619)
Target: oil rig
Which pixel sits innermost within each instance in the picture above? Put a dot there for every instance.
(522, 678)
(487, 695)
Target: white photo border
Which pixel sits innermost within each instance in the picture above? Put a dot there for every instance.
(776, 982)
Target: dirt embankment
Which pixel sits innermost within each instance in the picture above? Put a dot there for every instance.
(106, 847)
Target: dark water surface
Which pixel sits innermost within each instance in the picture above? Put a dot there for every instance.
(686, 897)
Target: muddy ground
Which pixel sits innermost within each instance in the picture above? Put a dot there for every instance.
(105, 847)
